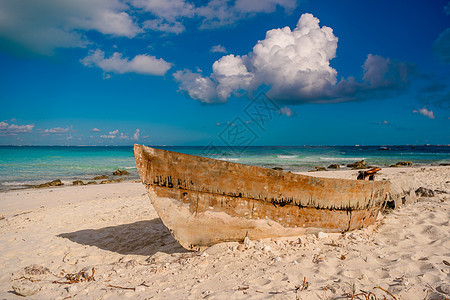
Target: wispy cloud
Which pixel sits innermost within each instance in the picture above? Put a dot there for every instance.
(169, 16)
(287, 111)
(140, 64)
(441, 46)
(123, 136)
(6, 128)
(110, 135)
(44, 26)
(218, 49)
(136, 135)
(95, 130)
(56, 130)
(424, 112)
(105, 136)
(388, 124)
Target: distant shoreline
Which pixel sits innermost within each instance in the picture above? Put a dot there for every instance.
(330, 172)
(261, 146)
(27, 166)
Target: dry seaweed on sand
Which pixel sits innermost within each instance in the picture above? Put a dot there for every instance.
(303, 286)
(121, 287)
(77, 277)
(368, 295)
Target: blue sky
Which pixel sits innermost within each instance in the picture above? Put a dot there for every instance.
(179, 72)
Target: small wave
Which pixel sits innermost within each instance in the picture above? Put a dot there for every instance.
(129, 168)
(20, 183)
(229, 159)
(286, 156)
(341, 158)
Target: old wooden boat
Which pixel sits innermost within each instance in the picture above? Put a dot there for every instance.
(204, 201)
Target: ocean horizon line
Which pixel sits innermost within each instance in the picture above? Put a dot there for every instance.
(232, 146)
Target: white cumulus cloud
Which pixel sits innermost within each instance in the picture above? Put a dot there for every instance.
(198, 87)
(231, 75)
(292, 62)
(141, 64)
(425, 112)
(295, 64)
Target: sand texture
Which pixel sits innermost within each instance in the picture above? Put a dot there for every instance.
(109, 242)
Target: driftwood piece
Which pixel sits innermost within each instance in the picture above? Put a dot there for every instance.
(369, 173)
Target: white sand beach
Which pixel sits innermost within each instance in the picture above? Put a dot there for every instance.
(114, 230)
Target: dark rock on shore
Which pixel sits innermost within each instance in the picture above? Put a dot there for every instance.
(112, 180)
(120, 172)
(444, 164)
(312, 171)
(92, 182)
(78, 182)
(440, 192)
(320, 168)
(334, 166)
(424, 192)
(277, 168)
(402, 164)
(358, 165)
(100, 177)
(56, 182)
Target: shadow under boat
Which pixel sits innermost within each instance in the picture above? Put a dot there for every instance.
(138, 238)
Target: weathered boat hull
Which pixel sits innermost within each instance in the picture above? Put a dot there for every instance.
(205, 201)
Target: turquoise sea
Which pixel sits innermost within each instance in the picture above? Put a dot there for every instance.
(22, 166)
